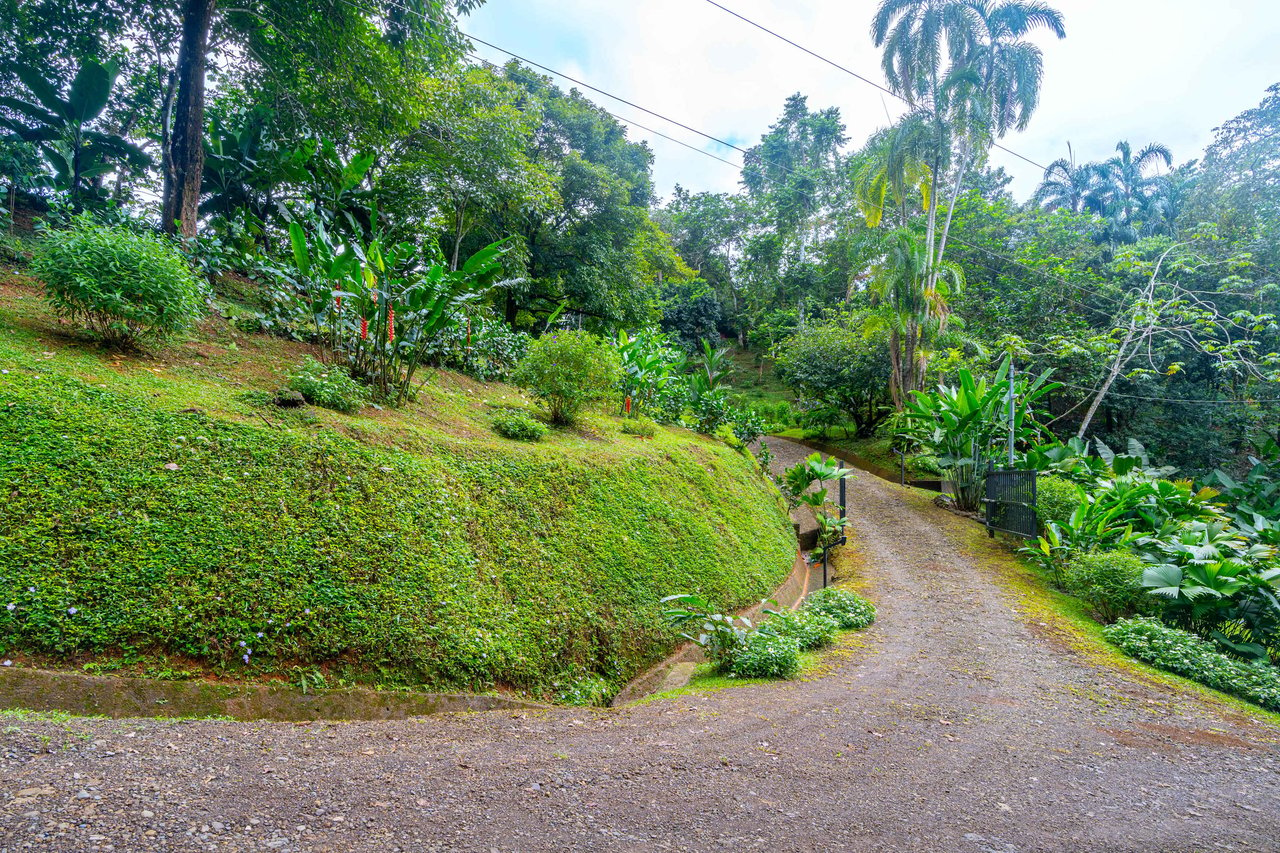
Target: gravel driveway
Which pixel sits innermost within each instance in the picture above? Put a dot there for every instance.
(957, 724)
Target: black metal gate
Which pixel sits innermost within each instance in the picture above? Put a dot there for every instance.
(1011, 502)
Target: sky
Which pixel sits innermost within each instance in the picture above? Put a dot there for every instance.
(1140, 70)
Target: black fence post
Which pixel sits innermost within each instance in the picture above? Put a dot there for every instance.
(988, 496)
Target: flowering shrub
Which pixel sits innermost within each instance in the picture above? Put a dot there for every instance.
(1187, 655)
(330, 386)
(568, 370)
(585, 689)
(518, 427)
(850, 611)
(766, 655)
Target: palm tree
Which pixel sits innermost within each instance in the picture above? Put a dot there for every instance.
(913, 307)
(1163, 205)
(1070, 187)
(1009, 69)
(970, 77)
(1123, 180)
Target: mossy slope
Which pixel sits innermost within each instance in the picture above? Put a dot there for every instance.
(381, 548)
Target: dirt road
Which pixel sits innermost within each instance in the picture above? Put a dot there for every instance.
(963, 725)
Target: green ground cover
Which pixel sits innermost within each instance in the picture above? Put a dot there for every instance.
(161, 513)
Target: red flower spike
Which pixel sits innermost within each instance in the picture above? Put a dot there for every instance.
(391, 324)
(364, 328)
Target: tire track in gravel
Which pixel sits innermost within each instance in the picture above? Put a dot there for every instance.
(951, 724)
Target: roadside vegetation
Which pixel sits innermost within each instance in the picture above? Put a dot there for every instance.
(167, 515)
(375, 362)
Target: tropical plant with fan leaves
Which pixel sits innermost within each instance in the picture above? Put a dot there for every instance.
(970, 76)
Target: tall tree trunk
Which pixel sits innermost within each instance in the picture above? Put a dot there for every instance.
(895, 369)
(186, 155)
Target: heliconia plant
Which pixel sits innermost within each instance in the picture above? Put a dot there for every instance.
(379, 307)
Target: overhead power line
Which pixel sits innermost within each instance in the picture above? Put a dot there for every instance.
(632, 122)
(1116, 302)
(618, 98)
(1189, 401)
(852, 73)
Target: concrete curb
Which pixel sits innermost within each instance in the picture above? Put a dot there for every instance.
(95, 695)
(667, 673)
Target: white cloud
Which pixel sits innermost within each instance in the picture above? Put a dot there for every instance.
(1142, 70)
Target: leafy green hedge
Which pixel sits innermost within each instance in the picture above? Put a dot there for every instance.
(128, 529)
(1187, 655)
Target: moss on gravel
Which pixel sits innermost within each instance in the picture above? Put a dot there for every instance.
(1065, 618)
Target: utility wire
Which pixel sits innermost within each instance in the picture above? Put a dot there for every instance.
(618, 98)
(1184, 400)
(632, 122)
(1118, 302)
(853, 74)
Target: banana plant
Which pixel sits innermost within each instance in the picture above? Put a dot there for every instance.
(61, 126)
(960, 424)
(335, 186)
(649, 366)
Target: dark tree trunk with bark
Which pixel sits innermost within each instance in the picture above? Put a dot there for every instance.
(186, 155)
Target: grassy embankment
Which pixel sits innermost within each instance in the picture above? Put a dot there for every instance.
(161, 516)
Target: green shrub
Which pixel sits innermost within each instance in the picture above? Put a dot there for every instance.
(125, 286)
(1185, 654)
(719, 635)
(568, 370)
(725, 433)
(1056, 498)
(1109, 581)
(850, 611)
(642, 427)
(585, 689)
(328, 385)
(518, 427)
(765, 655)
(809, 628)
